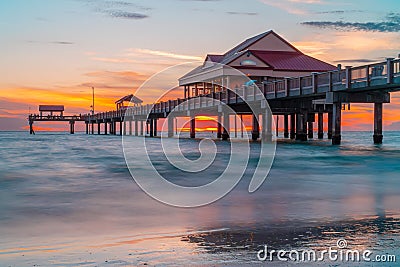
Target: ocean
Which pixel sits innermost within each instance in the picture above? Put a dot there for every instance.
(69, 200)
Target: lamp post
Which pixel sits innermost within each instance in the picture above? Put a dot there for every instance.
(92, 100)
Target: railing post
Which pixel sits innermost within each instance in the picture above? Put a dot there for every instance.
(389, 68)
(348, 77)
(330, 78)
(287, 87)
(300, 87)
(314, 82)
(265, 89)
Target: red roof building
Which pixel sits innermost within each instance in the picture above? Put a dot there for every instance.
(265, 57)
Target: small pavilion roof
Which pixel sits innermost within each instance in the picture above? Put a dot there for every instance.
(130, 98)
(57, 108)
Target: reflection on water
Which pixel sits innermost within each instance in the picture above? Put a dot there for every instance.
(69, 201)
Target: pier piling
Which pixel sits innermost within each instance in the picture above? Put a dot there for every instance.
(225, 134)
(286, 126)
(337, 124)
(255, 133)
(330, 124)
(267, 118)
(155, 127)
(301, 129)
(193, 127)
(310, 130)
(293, 126)
(151, 130)
(320, 125)
(378, 111)
(171, 126)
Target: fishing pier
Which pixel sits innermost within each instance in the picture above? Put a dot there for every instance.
(298, 88)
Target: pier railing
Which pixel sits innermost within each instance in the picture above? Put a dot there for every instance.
(356, 78)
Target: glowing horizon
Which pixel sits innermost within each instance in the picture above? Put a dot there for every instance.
(48, 57)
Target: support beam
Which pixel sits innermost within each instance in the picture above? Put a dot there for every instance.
(225, 134)
(193, 127)
(320, 125)
(141, 128)
(266, 118)
(155, 127)
(105, 127)
(92, 127)
(236, 126)
(86, 124)
(286, 126)
(293, 126)
(378, 111)
(277, 125)
(241, 126)
(171, 126)
(130, 127)
(337, 124)
(31, 131)
(330, 124)
(255, 132)
(120, 128)
(98, 128)
(301, 129)
(124, 132)
(219, 127)
(136, 128)
(151, 131)
(72, 127)
(310, 130)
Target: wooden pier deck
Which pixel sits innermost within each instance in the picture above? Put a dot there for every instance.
(297, 99)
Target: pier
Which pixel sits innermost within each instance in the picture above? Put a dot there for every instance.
(298, 100)
(293, 86)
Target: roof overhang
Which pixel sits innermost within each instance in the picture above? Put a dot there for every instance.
(209, 74)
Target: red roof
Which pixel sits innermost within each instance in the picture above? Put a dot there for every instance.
(292, 61)
(216, 58)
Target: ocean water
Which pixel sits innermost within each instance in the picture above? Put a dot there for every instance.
(69, 200)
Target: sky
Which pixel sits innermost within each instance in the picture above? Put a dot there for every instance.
(53, 52)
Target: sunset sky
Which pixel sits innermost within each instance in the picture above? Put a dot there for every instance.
(53, 52)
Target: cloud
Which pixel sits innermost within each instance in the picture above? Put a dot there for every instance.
(51, 42)
(359, 60)
(242, 13)
(62, 43)
(118, 9)
(116, 77)
(296, 7)
(390, 24)
(163, 54)
(125, 14)
(336, 12)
